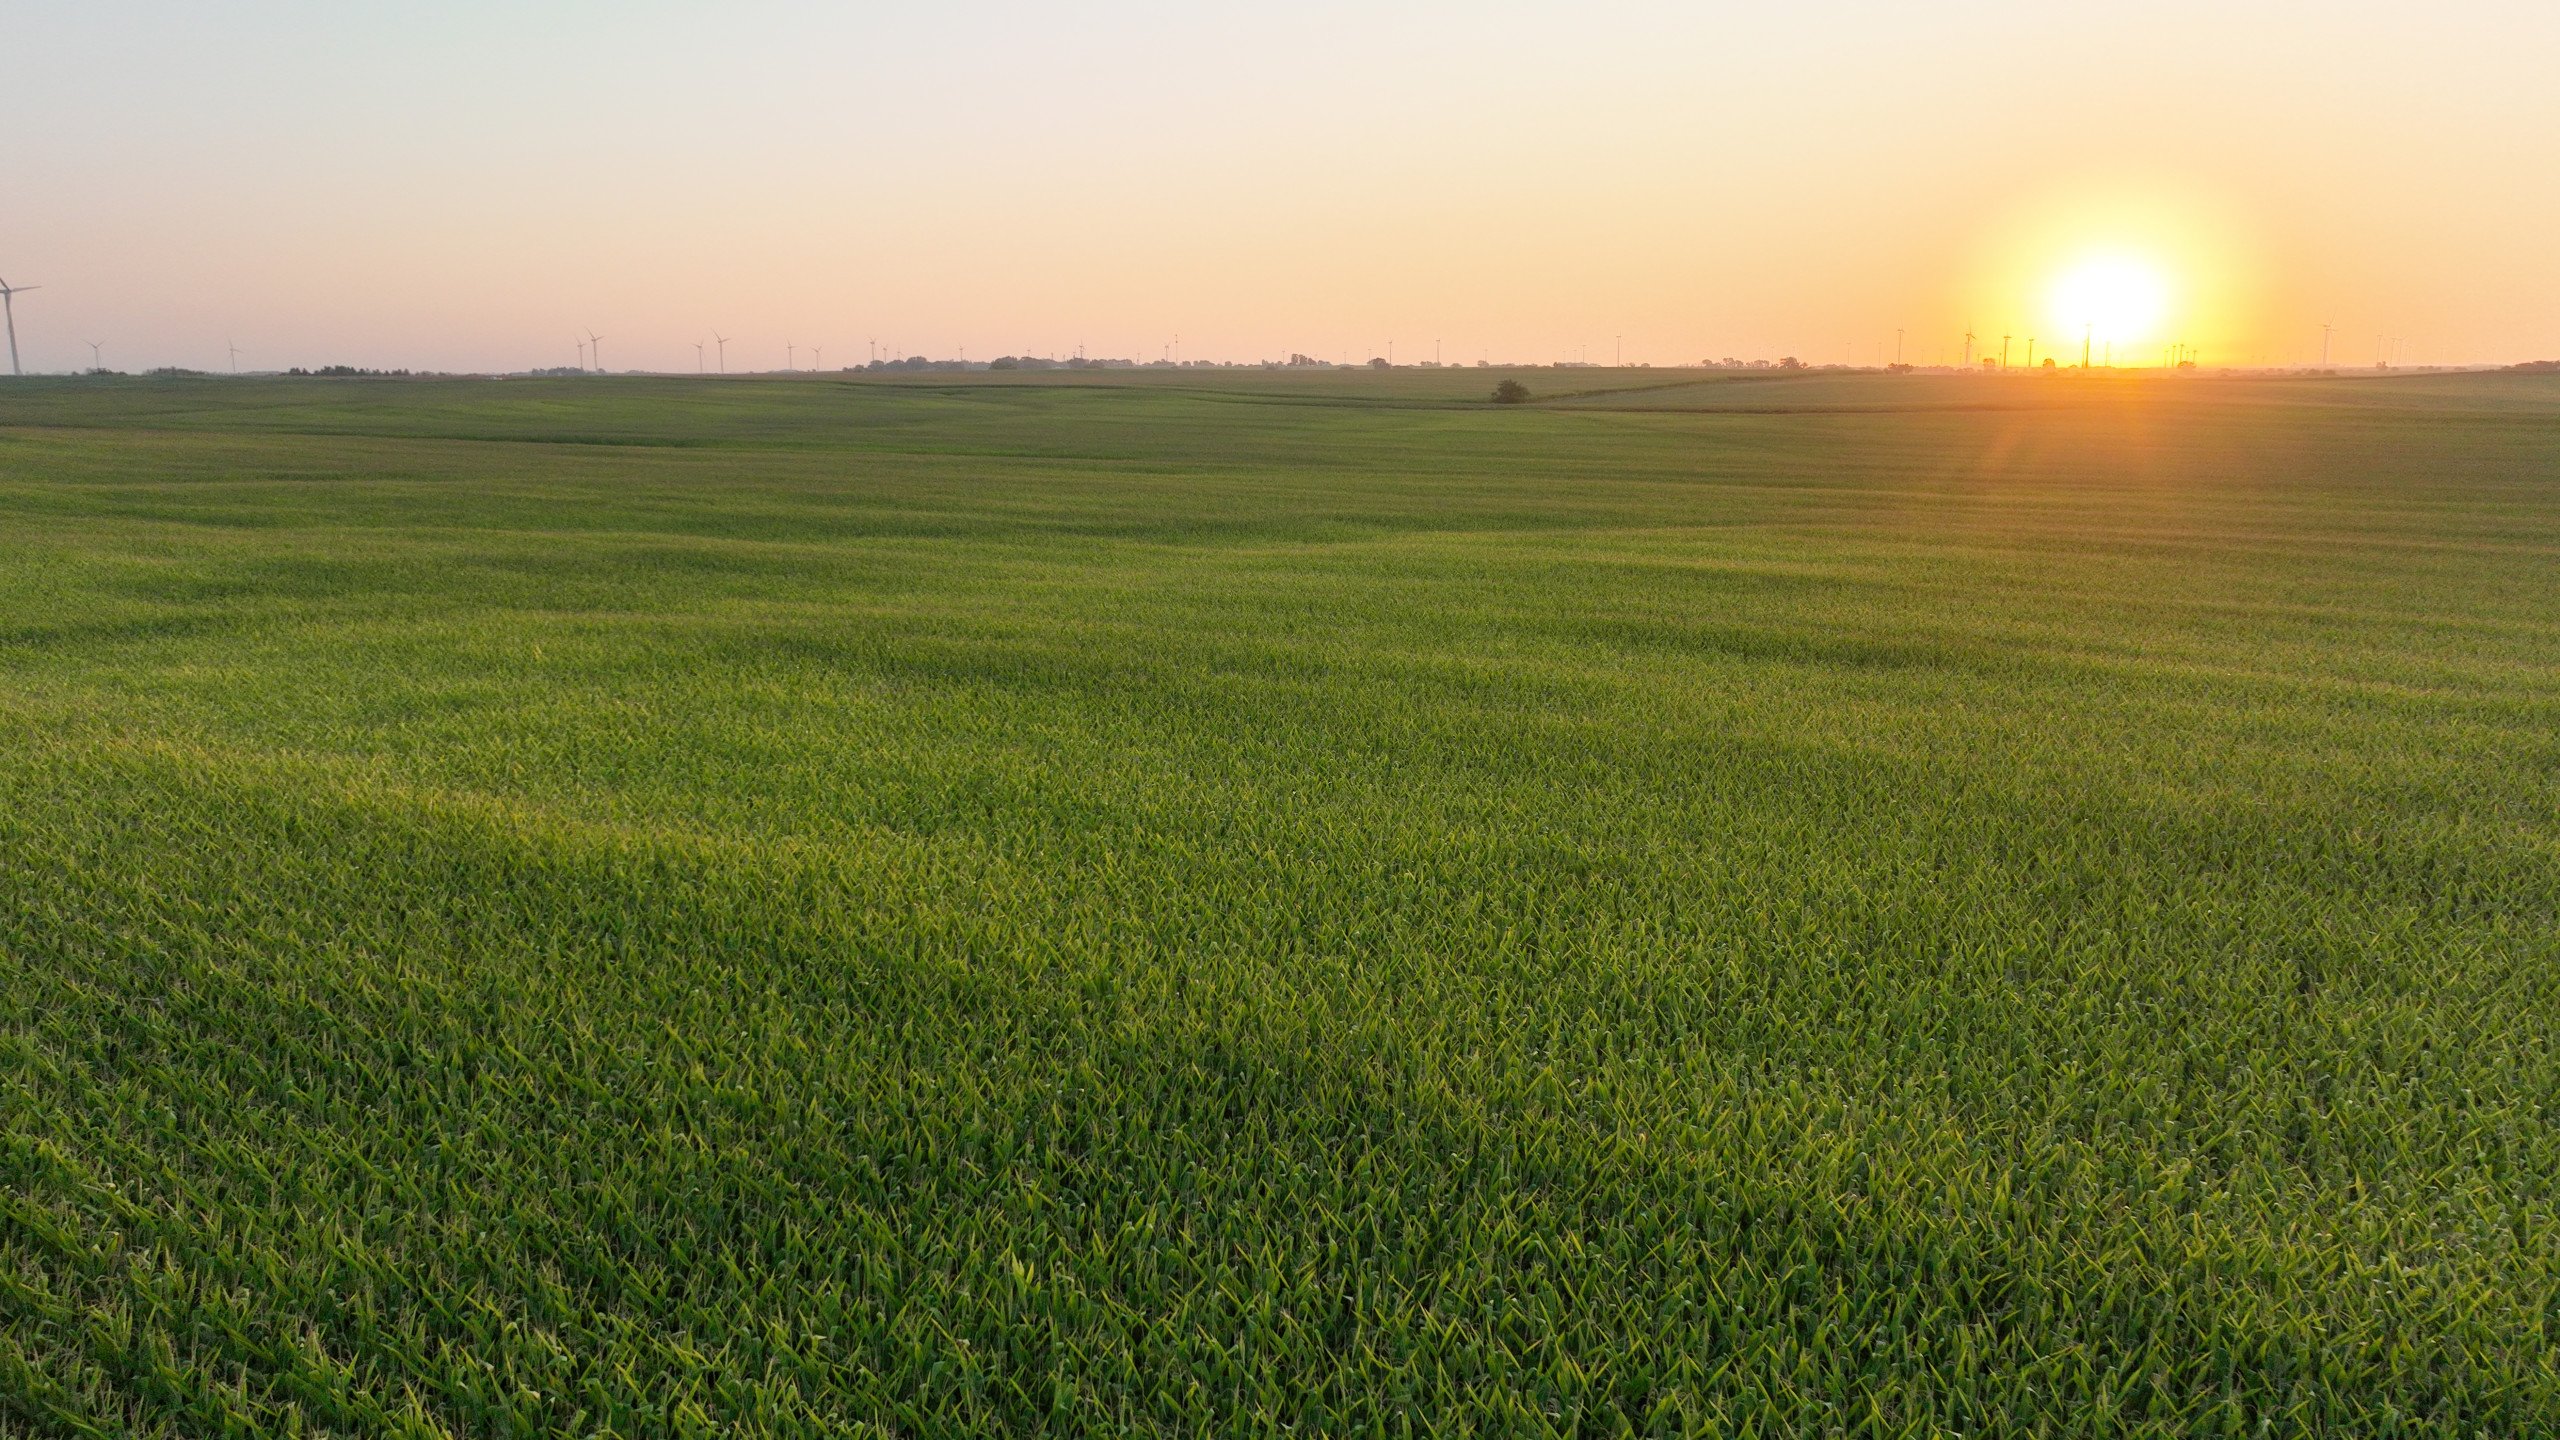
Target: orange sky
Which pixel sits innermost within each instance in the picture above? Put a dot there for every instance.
(472, 187)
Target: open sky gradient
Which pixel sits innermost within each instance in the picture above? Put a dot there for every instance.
(471, 184)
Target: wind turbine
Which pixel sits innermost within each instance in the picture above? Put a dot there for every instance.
(817, 358)
(1968, 346)
(595, 350)
(723, 342)
(8, 297)
(2004, 354)
(235, 357)
(582, 355)
(790, 356)
(97, 361)
(697, 357)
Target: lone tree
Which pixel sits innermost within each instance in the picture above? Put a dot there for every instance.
(1510, 392)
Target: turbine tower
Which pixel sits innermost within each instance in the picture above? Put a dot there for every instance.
(97, 360)
(595, 350)
(723, 342)
(235, 357)
(817, 358)
(2004, 354)
(8, 307)
(697, 357)
(790, 356)
(1968, 345)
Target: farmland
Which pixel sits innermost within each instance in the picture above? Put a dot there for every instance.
(1229, 904)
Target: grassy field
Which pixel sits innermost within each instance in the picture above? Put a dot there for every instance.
(1241, 905)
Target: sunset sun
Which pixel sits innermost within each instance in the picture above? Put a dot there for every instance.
(2113, 299)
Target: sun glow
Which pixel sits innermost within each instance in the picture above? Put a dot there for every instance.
(2110, 299)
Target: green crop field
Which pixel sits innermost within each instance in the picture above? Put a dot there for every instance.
(1257, 904)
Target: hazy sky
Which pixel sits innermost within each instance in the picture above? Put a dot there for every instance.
(469, 184)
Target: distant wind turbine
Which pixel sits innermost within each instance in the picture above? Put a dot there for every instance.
(97, 360)
(582, 355)
(817, 357)
(235, 357)
(8, 307)
(595, 350)
(723, 342)
(697, 357)
(790, 356)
